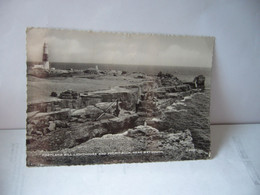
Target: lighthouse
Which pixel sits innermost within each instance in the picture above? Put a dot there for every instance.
(45, 60)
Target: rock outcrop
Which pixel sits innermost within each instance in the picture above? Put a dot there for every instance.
(173, 146)
(198, 82)
(149, 115)
(69, 94)
(168, 79)
(42, 123)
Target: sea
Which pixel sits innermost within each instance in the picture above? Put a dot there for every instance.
(184, 73)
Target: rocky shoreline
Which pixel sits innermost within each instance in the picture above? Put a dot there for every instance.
(153, 113)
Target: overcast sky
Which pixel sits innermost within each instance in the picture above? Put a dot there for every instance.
(118, 48)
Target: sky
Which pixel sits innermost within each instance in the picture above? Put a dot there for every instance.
(119, 48)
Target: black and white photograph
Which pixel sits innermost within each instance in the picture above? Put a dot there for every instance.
(116, 97)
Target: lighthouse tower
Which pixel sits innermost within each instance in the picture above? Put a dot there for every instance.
(45, 60)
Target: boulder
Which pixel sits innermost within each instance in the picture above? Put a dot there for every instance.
(119, 124)
(78, 113)
(69, 94)
(169, 80)
(108, 107)
(52, 126)
(90, 112)
(93, 112)
(199, 81)
(142, 130)
(61, 124)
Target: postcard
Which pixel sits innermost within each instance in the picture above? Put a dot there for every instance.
(105, 97)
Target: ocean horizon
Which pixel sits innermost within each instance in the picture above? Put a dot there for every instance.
(148, 69)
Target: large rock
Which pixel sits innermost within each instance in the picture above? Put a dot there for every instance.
(175, 146)
(169, 80)
(199, 81)
(127, 98)
(52, 126)
(93, 112)
(61, 124)
(110, 143)
(69, 94)
(78, 113)
(119, 124)
(142, 130)
(90, 112)
(108, 107)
